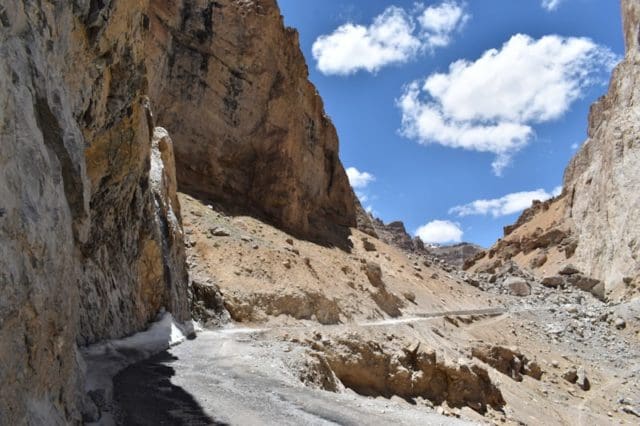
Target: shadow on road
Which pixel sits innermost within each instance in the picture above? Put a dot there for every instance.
(144, 395)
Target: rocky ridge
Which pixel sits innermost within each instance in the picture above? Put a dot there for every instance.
(395, 234)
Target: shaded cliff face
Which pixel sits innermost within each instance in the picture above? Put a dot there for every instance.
(594, 224)
(250, 130)
(90, 243)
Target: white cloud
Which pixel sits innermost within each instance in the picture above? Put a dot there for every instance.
(358, 179)
(490, 105)
(441, 21)
(504, 206)
(392, 38)
(440, 232)
(551, 5)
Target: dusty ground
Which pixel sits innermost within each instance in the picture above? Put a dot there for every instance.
(318, 336)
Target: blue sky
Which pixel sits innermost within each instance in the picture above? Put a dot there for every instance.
(456, 151)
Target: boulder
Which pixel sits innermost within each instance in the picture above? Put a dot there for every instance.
(517, 286)
(368, 245)
(538, 261)
(570, 375)
(591, 285)
(582, 380)
(553, 281)
(374, 274)
(569, 270)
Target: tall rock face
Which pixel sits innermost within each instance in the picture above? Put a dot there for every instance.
(603, 179)
(91, 244)
(90, 239)
(250, 130)
(595, 223)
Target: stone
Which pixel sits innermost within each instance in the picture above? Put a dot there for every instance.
(538, 261)
(472, 282)
(571, 375)
(508, 361)
(620, 323)
(219, 232)
(410, 296)
(374, 274)
(517, 286)
(635, 411)
(588, 284)
(569, 270)
(368, 245)
(582, 381)
(553, 281)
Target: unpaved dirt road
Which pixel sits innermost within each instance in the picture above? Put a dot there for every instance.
(237, 379)
(233, 376)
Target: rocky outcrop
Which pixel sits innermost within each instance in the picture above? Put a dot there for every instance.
(508, 361)
(375, 368)
(456, 254)
(395, 234)
(90, 236)
(250, 130)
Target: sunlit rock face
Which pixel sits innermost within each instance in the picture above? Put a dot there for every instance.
(90, 247)
(231, 83)
(602, 180)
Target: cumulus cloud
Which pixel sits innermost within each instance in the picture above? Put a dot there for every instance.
(490, 105)
(551, 5)
(440, 232)
(358, 179)
(441, 21)
(359, 182)
(392, 38)
(504, 206)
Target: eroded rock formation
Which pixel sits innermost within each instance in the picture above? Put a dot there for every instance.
(375, 368)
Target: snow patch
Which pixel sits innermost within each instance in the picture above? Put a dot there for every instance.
(103, 361)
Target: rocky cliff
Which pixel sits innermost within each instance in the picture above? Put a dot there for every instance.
(594, 223)
(250, 130)
(602, 180)
(90, 235)
(91, 244)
